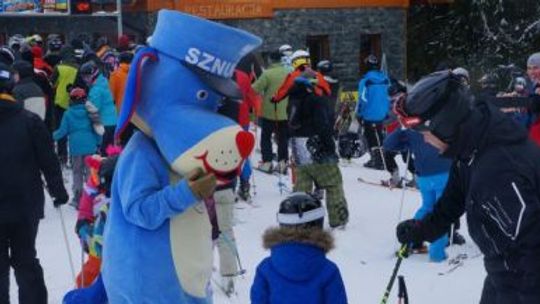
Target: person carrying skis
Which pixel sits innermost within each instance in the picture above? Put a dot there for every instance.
(372, 109)
(298, 270)
(494, 178)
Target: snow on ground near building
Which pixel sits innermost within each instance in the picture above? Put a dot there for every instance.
(364, 251)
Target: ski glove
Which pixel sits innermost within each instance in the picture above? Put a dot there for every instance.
(409, 231)
(61, 200)
(201, 184)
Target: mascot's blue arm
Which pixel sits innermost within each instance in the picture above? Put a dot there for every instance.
(145, 202)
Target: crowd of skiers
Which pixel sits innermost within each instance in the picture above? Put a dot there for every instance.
(450, 139)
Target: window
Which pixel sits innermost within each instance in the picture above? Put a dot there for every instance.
(369, 44)
(319, 48)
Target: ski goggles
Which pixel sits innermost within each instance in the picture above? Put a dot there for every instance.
(408, 121)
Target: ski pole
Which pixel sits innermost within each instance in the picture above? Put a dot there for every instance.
(452, 234)
(82, 264)
(401, 255)
(64, 231)
(403, 296)
(233, 248)
(253, 184)
(403, 188)
(379, 143)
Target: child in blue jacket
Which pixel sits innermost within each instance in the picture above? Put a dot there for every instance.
(297, 270)
(76, 125)
(432, 174)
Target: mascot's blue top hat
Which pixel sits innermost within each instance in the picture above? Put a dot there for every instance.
(197, 59)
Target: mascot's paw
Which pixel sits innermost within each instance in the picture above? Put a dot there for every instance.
(95, 294)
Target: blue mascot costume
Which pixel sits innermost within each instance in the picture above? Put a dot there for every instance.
(158, 237)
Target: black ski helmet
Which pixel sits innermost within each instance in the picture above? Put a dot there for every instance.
(6, 55)
(325, 66)
(301, 210)
(372, 62)
(438, 102)
(7, 79)
(54, 42)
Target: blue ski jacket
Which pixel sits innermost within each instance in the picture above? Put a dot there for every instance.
(427, 159)
(297, 270)
(373, 99)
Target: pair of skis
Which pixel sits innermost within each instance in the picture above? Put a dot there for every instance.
(457, 262)
(381, 184)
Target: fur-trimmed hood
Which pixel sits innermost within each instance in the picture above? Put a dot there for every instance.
(298, 255)
(314, 237)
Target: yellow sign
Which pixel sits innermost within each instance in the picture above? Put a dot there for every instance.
(227, 9)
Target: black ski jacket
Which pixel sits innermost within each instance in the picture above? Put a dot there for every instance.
(310, 116)
(27, 152)
(495, 179)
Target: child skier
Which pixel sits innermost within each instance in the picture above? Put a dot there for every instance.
(432, 174)
(297, 270)
(76, 125)
(94, 206)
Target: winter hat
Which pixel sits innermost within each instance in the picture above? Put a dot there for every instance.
(123, 42)
(77, 95)
(534, 60)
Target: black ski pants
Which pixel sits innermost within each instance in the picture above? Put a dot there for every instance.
(280, 128)
(17, 250)
(62, 150)
(511, 288)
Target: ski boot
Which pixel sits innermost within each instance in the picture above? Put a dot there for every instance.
(458, 239)
(375, 162)
(282, 167)
(227, 284)
(411, 183)
(318, 193)
(243, 191)
(394, 181)
(266, 167)
(75, 200)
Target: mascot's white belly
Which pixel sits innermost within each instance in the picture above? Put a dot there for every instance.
(221, 153)
(192, 254)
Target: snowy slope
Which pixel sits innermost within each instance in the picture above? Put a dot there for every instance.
(364, 251)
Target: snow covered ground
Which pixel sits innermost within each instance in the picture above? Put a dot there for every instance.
(364, 251)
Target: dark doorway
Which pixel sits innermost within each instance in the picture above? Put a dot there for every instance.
(319, 48)
(369, 44)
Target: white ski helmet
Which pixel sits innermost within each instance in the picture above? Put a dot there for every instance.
(300, 58)
(285, 50)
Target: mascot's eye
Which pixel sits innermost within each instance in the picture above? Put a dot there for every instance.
(202, 95)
